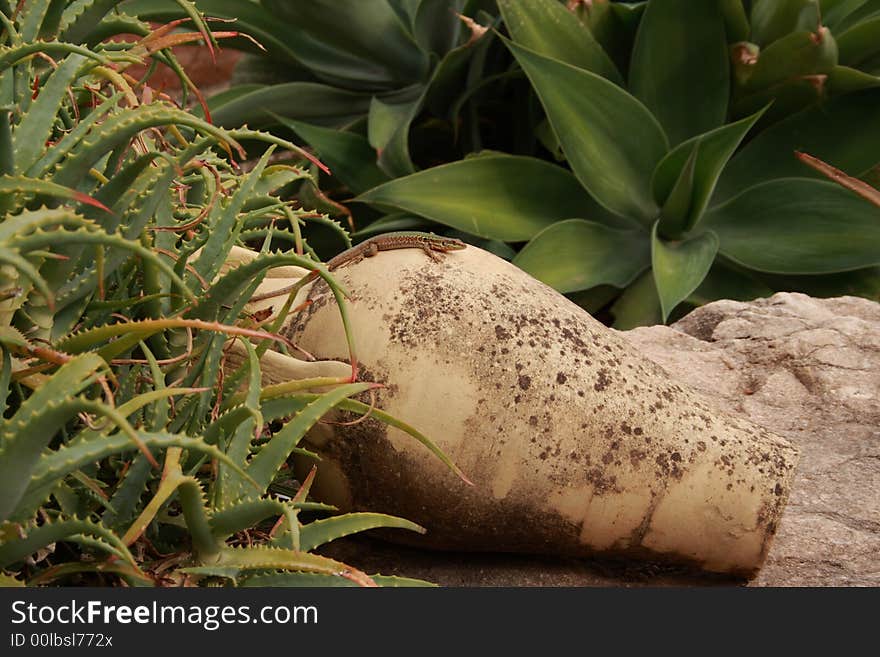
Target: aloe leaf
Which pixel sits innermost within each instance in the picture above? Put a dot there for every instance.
(131, 575)
(28, 433)
(267, 558)
(14, 54)
(224, 222)
(80, 17)
(638, 305)
(798, 226)
(28, 270)
(30, 18)
(319, 532)
(680, 266)
(277, 403)
(14, 185)
(686, 86)
(7, 157)
(126, 499)
(610, 139)
(296, 580)
(715, 150)
(40, 240)
(35, 126)
(244, 515)
(120, 127)
(263, 467)
(241, 439)
(15, 546)
(504, 197)
(54, 465)
(773, 19)
(575, 255)
(546, 27)
(845, 132)
(67, 143)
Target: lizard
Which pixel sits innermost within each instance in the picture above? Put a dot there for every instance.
(433, 246)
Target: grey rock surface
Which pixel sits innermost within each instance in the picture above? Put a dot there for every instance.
(807, 369)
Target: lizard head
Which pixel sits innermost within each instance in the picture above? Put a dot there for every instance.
(449, 244)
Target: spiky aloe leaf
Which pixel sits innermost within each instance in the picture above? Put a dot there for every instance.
(273, 454)
(35, 127)
(17, 541)
(131, 575)
(295, 580)
(266, 558)
(240, 441)
(29, 431)
(319, 532)
(122, 126)
(53, 466)
(243, 515)
(278, 403)
(21, 185)
(52, 156)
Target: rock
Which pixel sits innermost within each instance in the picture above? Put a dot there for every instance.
(807, 369)
(578, 444)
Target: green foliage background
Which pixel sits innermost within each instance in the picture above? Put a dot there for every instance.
(638, 156)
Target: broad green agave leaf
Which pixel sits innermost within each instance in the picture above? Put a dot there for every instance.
(713, 151)
(341, 48)
(798, 226)
(844, 132)
(638, 305)
(860, 42)
(504, 197)
(680, 67)
(851, 13)
(795, 55)
(574, 255)
(546, 27)
(773, 19)
(680, 266)
(313, 102)
(724, 281)
(610, 139)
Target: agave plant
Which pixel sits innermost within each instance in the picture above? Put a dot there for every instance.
(668, 195)
(357, 74)
(125, 452)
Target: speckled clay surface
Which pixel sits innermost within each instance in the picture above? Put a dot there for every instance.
(577, 444)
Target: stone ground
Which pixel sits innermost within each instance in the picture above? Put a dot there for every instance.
(808, 369)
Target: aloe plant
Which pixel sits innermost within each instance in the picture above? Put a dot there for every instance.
(122, 439)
